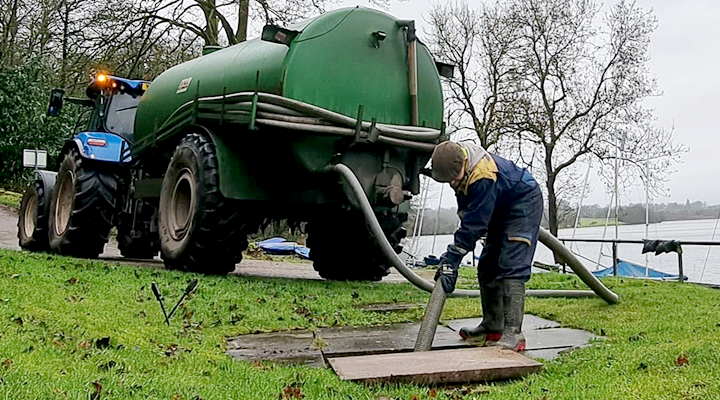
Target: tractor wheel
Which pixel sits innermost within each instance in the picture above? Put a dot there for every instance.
(83, 206)
(352, 254)
(200, 230)
(33, 219)
(136, 236)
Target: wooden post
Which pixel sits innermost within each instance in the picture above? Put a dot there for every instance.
(680, 264)
(614, 256)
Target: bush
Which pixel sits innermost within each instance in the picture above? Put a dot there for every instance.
(24, 95)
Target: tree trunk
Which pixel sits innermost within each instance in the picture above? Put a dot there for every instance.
(552, 206)
(243, 15)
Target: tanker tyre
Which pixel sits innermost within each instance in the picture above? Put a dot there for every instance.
(83, 206)
(200, 230)
(33, 219)
(329, 255)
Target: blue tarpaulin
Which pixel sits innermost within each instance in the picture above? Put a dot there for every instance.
(279, 246)
(630, 269)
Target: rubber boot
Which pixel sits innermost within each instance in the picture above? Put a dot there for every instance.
(514, 308)
(491, 327)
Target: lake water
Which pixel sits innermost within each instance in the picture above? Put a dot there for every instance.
(694, 257)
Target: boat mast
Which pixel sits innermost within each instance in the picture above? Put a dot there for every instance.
(647, 207)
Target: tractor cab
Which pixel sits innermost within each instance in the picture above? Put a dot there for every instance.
(111, 104)
(115, 101)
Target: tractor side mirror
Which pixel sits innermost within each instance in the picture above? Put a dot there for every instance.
(56, 102)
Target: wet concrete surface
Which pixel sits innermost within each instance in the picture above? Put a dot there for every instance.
(545, 340)
(257, 268)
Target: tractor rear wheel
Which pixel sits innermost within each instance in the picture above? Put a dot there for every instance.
(352, 254)
(83, 206)
(200, 230)
(33, 218)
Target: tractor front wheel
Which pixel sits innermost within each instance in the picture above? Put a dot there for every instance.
(83, 206)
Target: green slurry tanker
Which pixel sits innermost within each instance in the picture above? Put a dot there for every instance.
(248, 134)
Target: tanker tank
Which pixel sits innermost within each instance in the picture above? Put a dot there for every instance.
(243, 136)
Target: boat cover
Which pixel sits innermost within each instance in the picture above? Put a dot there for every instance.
(630, 269)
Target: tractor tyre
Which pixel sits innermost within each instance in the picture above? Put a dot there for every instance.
(137, 237)
(200, 230)
(329, 248)
(83, 206)
(33, 218)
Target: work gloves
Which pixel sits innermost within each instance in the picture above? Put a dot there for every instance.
(447, 273)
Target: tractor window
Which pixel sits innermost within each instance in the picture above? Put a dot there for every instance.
(121, 114)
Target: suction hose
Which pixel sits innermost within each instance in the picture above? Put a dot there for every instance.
(546, 238)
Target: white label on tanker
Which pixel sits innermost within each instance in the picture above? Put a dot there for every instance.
(184, 85)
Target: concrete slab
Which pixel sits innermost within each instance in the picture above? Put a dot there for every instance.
(435, 367)
(292, 347)
(544, 340)
(344, 341)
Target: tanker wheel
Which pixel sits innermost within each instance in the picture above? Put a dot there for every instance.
(33, 219)
(352, 254)
(83, 206)
(200, 230)
(136, 238)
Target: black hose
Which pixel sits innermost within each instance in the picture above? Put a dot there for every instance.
(421, 283)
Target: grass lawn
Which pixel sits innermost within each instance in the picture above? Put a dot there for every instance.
(10, 199)
(77, 329)
(586, 222)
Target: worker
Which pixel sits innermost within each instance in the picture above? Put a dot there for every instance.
(503, 202)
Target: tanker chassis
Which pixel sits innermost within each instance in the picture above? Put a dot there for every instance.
(223, 144)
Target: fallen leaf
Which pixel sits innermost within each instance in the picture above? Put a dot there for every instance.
(304, 311)
(292, 392)
(84, 345)
(682, 360)
(177, 396)
(72, 281)
(170, 350)
(7, 363)
(414, 398)
(102, 343)
(432, 393)
(258, 365)
(98, 390)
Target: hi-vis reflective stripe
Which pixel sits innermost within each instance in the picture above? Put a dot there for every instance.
(520, 239)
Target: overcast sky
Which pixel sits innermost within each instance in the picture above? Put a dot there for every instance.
(685, 53)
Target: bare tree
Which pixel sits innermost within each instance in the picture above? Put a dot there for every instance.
(207, 19)
(478, 43)
(563, 87)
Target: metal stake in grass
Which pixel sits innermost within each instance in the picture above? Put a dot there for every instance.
(190, 287)
(158, 296)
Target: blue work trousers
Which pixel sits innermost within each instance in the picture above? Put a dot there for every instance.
(511, 239)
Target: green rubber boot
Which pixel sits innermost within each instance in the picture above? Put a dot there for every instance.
(514, 308)
(491, 327)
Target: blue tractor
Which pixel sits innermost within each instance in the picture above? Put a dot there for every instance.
(73, 210)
